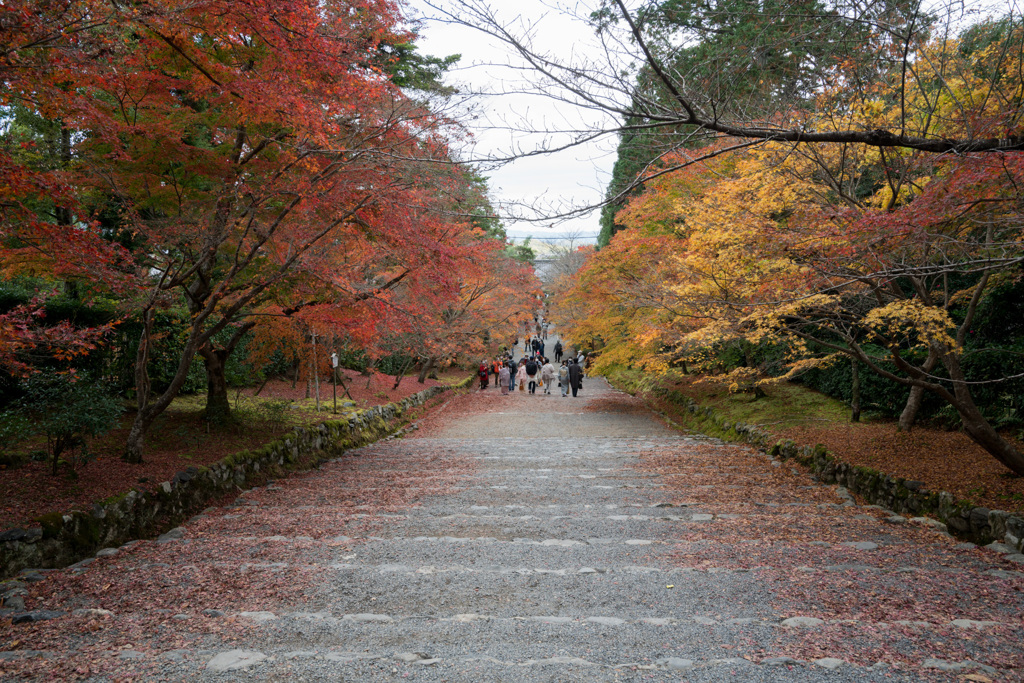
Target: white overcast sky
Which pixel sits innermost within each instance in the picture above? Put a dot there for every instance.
(578, 176)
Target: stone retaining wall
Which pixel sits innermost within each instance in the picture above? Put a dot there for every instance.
(977, 524)
(60, 540)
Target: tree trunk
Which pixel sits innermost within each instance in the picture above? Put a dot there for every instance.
(909, 414)
(855, 391)
(425, 370)
(134, 447)
(401, 373)
(64, 216)
(985, 435)
(218, 409)
(975, 424)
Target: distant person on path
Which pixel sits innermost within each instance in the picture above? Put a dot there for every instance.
(541, 349)
(563, 378)
(482, 372)
(558, 351)
(503, 382)
(547, 373)
(535, 345)
(531, 372)
(575, 377)
(511, 364)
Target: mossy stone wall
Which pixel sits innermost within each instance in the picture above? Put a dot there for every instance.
(62, 539)
(963, 519)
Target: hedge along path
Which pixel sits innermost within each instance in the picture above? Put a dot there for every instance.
(529, 538)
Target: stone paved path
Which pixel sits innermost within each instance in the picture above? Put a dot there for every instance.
(584, 541)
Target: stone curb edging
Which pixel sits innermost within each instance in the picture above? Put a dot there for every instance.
(977, 524)
(61, 540)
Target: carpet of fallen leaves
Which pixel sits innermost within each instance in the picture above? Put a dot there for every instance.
(788, 531)
(944, 460)
(179, 439)
(619, 403)
(266, 551)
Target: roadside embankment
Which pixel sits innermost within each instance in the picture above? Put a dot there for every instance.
(909, 498)
(62, 539)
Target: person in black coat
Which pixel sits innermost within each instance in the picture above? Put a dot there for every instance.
(575, 377)
(558, 351)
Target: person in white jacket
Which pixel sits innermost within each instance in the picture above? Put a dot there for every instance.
(563, 377)
(547, 373)
(521, 378)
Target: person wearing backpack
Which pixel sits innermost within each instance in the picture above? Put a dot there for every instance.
(558, 351)
(531, 373)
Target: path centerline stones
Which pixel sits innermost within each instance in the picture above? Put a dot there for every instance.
(536, 538)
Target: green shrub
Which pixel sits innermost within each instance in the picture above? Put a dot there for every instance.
(68, 410)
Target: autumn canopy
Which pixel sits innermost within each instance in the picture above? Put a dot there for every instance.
(822, 191)
(224, 174)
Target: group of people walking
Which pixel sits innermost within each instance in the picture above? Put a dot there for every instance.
(534, 371)
(534, 347)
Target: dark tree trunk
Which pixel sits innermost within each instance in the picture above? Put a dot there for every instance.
(136, 438)
(218, 408)
(913, 406)
(909, 414)
(143, 418)
(215, 358)
(855, 391)
(425, 370)
(64, 216)
(401, 373)
(975, 424)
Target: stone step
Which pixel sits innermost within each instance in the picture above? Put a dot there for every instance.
(609, 550)
(552, 562)
(582, 664)
(360, 563)
(668, 622)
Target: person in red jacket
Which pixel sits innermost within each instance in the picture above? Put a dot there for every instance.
(483, 373)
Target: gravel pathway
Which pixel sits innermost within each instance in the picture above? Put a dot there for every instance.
(532, 538)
